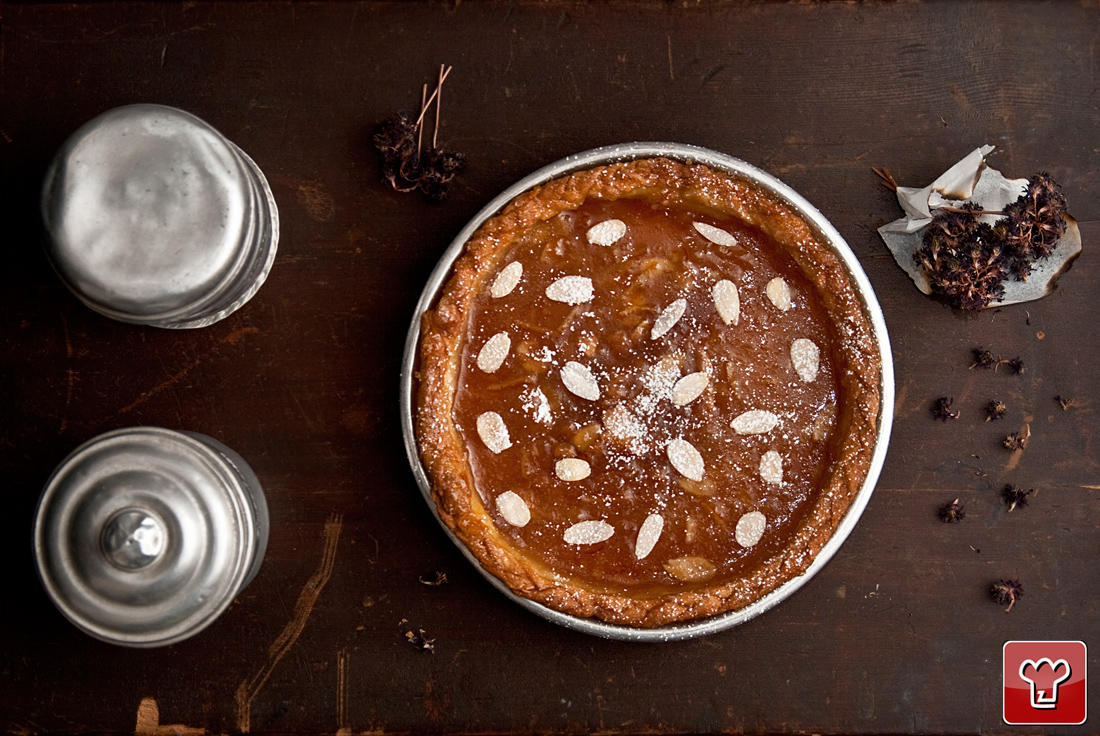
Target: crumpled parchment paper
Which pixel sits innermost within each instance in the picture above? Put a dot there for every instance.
(972, 180)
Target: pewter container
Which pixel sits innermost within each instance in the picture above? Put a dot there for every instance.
(828, 234)
(153, 217)
(143, 536)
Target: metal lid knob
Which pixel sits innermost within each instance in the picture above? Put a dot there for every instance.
(133, 538)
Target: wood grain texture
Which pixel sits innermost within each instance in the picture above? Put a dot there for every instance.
(897, 634)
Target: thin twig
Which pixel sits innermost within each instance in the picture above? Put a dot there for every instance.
(438, 105)
(887, 179)
(424, 109)
(419, 128)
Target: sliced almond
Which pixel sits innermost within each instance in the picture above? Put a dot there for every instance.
(750, 528)
(667, 319)
(589, 532)
(493, 352)
(513, 508)
(685, 458)
(606, 232)
(727, 301)
(570, 290)
(771, 467)
(716, 235)
(648, 535)
(806, 358)
(493, 432)
(572, 469)
(580, 381)
(689, 388)
(779, 293)
(691, 569)
(506, 280)
(756, 421)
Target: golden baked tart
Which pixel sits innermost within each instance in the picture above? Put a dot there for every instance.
(648, 393)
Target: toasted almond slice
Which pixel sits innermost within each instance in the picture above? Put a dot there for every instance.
(589, 532)
(750, 528)
(513, 508)
(668, 318)
(689, 388)
(806, 358)
(506, 280)
(727, 301)
(572, 469)
(779, 293)
(691, 569)
(493, 352)
(716, 235)
(493, 432)
(580, 381)
(771, 467)
(606, 232)
(685, 458)
(756, 421)
(648, 535)
(570, 290)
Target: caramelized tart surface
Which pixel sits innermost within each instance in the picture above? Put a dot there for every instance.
(647, 394)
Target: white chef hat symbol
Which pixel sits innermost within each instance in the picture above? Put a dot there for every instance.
(1042, 698)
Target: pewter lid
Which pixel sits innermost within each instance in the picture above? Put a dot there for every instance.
(143, 536)
(154, 217)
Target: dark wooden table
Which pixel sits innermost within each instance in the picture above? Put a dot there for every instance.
(896, 634)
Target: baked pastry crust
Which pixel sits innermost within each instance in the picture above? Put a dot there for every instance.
(445, 446)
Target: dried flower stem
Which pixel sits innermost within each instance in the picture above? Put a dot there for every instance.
(887, 178)
(430, 100)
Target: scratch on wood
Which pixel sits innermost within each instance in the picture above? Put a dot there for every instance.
(342, 692)
(671, 72)
(235, 336)
(70, 376)
(179, 376)
(148, 722)
(249, 688)
(231, 339)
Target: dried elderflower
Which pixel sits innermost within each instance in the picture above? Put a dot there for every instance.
(963, 258)
(1033, 224)
(983, 359)
(941, 409)
(1014, 496)
(1007, 591)
(406, 164)
(952, 513)
(994, 410)
(1018, 440)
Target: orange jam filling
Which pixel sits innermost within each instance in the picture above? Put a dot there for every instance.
(649, 398)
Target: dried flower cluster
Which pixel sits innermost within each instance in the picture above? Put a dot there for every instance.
(406, 164)
(985, 359)
(952, 513)
(1018, 440)
(1007, 591)
(967, 261)
(1014, 496)
(941, 409)
(994, 410)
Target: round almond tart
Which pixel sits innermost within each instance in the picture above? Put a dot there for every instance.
(648, 393)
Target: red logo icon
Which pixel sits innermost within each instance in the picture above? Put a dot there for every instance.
(1045, 683)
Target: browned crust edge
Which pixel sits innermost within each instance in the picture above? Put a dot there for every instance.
(442, 450)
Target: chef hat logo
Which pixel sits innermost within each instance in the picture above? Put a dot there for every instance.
(1044, 683)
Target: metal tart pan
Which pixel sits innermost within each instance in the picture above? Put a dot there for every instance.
(824, 229)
